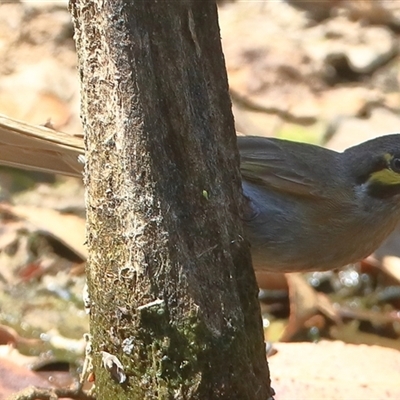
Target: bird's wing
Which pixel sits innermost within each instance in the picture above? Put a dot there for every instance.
(282, 165)
(38, 148)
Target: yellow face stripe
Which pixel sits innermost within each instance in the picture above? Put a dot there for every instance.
(385, 176)
(388, 157)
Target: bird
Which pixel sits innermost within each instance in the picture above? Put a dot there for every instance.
(305, 207)
(308, 208)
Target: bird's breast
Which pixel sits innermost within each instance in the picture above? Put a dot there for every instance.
(289, 233)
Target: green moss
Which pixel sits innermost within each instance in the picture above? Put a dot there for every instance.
(172, 349)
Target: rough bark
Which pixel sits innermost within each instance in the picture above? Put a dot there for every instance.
(173, 294)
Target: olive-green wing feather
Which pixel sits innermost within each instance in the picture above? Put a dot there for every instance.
(286, 166)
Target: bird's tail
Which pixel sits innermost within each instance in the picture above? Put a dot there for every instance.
(38, 148)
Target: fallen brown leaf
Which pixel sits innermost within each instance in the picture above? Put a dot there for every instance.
(67, 228)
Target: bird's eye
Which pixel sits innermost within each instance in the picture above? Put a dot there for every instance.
(395, 164)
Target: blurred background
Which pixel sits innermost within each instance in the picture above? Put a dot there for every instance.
(325, 72)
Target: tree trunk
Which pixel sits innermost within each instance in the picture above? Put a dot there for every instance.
(173, 294)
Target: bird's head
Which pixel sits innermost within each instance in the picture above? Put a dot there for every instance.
(374, 166)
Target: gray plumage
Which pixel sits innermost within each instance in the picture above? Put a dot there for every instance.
(310, 208)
